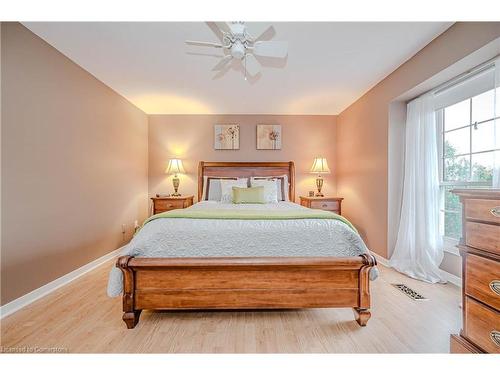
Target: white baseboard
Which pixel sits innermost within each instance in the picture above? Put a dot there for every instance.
(31, 297)
(453, 279)
(381, 260)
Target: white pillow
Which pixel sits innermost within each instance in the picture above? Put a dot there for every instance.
(282, 185)
(270, 189)
(212, 189)
(226, 187)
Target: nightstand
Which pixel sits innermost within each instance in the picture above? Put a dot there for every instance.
(162, 204)
(323, 203)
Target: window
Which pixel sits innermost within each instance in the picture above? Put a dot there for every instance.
(466, 147)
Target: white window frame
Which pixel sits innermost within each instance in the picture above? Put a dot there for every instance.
(450, 243)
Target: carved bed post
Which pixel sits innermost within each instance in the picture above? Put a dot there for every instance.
(362, 312)
(130, 316)
(291, 166)
(201, 165)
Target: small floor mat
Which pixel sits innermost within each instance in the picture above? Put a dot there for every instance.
(410, 292)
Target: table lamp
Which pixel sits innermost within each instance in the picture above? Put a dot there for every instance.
(320, 166)
(175, 166)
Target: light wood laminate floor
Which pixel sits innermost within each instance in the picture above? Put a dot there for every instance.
(79, 317)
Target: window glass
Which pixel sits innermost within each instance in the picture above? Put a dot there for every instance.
(457, 142)
(457, 115)
(483, 137)
(482, 107)
(452, 225)
(457, 169)
(451, 201)
(482, 166)
(468, 149)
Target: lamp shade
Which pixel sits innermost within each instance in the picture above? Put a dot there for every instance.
(320, 166)
(174, 166)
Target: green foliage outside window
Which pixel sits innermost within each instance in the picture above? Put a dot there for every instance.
(457, 168)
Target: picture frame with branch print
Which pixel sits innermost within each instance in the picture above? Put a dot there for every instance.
(227, 137)
(269, 137)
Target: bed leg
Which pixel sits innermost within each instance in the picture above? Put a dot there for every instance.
(131, 318)
(130, 314)
(361, 315)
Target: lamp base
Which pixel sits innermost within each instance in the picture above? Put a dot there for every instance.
(319, 185)
(176, 181)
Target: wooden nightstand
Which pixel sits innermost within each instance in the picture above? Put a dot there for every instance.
(323, 203)
(162, 204)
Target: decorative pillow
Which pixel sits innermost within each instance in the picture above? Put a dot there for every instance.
(227, 188)
(282, 185)
(212, 189)
(248, 195)
(270, 189)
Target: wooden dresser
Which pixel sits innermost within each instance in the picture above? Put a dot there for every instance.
(480, 250)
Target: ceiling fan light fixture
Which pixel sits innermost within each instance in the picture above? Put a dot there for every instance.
(238, 50)
(237, 43)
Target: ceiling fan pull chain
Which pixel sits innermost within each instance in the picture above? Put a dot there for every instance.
(246, 67)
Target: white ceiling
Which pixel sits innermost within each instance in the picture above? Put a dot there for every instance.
(329, 65)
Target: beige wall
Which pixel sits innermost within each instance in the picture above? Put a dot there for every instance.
(362, 129)
(74, 164)
(190, 137)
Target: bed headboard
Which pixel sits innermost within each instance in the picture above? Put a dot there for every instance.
(246, 169)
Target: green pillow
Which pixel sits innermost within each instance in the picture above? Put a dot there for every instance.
(248, 195)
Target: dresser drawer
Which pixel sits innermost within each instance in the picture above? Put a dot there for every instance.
(164, 205)
(483, 209)
(325, 205)
(482, 280)
(483, 236)
(458, 345)
(482, 326)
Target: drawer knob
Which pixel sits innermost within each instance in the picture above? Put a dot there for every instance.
(495, 286)
(495, 211)
(324, 205)
(495, 337)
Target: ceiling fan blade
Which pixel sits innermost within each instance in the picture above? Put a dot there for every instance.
(218, 56)
(271, 49)
(261, 31)
(223, 26)
(221, 73)
(223, 62)
(216, 30)
(251, 64)
(203, 44)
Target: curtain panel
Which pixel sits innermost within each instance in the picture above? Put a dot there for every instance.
(419, 248)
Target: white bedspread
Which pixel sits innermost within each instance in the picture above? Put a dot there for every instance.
(173, 237)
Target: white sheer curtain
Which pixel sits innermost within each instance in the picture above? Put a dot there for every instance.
(496, 160)
(419, 250)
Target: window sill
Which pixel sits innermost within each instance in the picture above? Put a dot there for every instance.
(450, 246)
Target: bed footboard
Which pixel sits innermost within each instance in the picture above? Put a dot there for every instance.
(245, 283)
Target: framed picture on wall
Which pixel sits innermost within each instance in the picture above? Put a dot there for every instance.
(268, 137)
(227, 137)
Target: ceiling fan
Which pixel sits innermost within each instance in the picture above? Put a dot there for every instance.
(238, 43)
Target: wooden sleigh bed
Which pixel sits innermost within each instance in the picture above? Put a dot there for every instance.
(245, 282)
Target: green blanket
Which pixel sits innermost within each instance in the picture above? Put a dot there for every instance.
(236, 214)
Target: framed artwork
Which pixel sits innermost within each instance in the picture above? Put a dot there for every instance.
(268, 137)
(227, 137)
